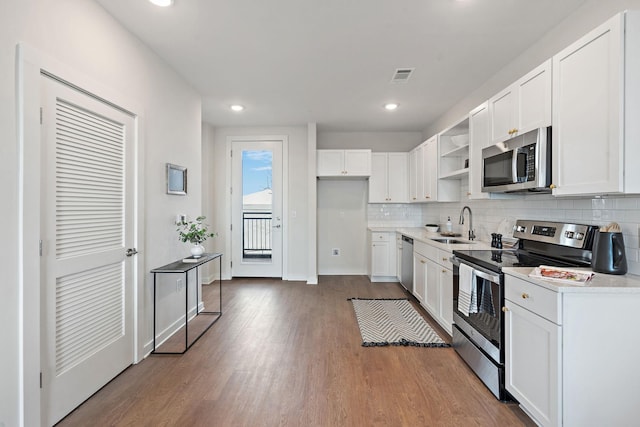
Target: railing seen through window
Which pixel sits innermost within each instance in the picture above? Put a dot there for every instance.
(256, 234)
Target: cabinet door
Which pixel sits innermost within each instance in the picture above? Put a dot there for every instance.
(413, 175)
(420, 173)
(430, 170)
(587, 108)
(330, 162)
(478, 139)
(419, 276)
(533, 107)
(380, 265)
(399, 258)
(446, 298)
(379, 177)
(532, 350)
(357, 162)
(502, 108)
(397, 177)
(432, 289)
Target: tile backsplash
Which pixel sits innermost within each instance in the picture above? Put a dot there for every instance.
(491, 216)
(394, 215)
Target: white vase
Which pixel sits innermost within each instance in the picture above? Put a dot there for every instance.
(197, 251)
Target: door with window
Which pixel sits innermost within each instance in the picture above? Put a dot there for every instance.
(256, 199)
(87, 224)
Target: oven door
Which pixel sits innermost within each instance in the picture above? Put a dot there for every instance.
(484, 323)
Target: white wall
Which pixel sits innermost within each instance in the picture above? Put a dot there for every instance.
(376, 141)
(342, 224)
(218, 210)
(591, 14)
(83, 37)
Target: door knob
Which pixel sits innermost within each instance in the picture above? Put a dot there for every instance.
(131, 252)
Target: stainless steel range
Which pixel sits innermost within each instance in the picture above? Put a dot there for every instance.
(478, 289)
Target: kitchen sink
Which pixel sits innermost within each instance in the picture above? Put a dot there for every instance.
(451, 241)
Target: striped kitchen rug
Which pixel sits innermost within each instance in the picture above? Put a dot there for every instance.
(393, 322)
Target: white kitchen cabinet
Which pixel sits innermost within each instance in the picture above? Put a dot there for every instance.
(343, 163)
(419, 276)
(430, 170)
(596, 105)
(478, 139)
(570, 353)
(532, 354)
(523, 106)
(399, 256)
(413, 174)
(382, 265)
(434, 283)
(416, 174)
(389, 178)
(446, 297)
(432, 289)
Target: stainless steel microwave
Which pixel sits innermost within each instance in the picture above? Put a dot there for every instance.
(521, 163)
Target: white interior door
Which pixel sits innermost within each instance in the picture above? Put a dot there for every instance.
(256, 200)
(87, 224)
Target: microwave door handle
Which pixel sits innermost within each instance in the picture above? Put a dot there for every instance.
(514, 166)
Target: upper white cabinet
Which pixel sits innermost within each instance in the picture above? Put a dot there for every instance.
(478, 139)
(596, 105)
(430, 170)
(523, 106)
(343, 163)
(389, 178)
(416, 174)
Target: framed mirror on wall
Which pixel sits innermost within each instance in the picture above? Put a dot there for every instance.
(176, 180)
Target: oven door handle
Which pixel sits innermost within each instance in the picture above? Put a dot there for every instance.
(478, 271)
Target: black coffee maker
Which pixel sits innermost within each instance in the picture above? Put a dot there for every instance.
(608, 251)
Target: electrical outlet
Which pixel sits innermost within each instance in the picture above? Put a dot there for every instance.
(178, 285)
(335, 252)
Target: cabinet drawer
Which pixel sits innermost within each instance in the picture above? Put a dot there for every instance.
(444, 259)
(425, 250)
(541, 301)
(379, 237)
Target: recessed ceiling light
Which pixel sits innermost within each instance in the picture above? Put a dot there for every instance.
(390, 106)
(162, 3)
(237, 107)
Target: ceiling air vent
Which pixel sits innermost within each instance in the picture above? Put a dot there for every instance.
(402, 75)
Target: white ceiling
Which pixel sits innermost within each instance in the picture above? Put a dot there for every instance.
(290, 62)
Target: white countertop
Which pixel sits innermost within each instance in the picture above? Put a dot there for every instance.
(600, 283)
(422, 235)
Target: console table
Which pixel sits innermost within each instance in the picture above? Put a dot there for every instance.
(181, 267)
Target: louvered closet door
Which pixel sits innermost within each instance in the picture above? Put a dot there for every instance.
(87, 223)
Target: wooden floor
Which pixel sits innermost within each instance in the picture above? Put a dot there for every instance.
(290, 354)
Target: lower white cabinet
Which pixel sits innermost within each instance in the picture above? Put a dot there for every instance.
(533, 361)
(383, 257)
(433, 282)
(571, 353)
(419, 276)
(399, 256)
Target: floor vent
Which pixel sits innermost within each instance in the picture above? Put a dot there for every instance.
(401, 75)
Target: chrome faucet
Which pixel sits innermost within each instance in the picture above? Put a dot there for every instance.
(472, 234)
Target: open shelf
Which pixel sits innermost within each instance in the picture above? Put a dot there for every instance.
(457, 174)
(456, 152)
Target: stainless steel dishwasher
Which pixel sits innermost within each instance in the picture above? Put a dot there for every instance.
(406, 274)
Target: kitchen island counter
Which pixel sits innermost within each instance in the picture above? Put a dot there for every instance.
(600, 283)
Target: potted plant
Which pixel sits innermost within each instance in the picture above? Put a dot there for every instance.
(195, 232)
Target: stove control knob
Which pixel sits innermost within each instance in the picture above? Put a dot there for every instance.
(569, 234)
(579, 236)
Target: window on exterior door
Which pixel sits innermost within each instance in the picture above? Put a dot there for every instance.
(257, 204)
